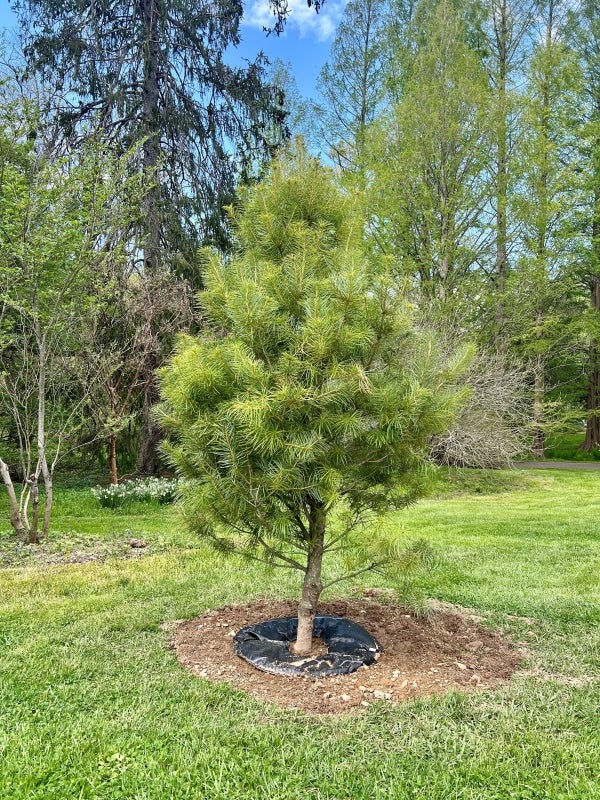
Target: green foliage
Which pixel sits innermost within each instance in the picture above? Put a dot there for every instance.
(568, 447)
(57, 214)
(311, 390)
(202, 120)
(351, 84)
(428, 158)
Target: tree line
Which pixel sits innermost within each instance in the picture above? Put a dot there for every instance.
(472, 128)
(468, 130)
(124, 133)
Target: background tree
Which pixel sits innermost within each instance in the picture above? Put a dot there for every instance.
(120, 324)
(503, 40)
(429, 189)
(307, 410)
(351, 85)
(155, 73)
(55, 218)
(584, 37)
(493, 427)
(543, 324)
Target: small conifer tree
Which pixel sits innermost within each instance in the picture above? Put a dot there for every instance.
(305, 409)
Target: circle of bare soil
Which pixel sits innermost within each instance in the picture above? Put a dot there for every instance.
(421, 656)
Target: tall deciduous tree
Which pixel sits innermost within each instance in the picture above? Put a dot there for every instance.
(585, 38)
(352, 83)
(504, 35)
(308, 409)
(543, 322)
(55, 218)
(429, 154)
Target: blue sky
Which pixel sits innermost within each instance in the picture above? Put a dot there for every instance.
(305, 43)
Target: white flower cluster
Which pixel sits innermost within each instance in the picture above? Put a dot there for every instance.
(141, 490)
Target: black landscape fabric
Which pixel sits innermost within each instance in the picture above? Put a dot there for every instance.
(266, 646)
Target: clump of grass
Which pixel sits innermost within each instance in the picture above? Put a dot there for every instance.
(459, 480)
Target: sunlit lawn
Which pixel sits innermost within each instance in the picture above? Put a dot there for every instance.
(94, 705)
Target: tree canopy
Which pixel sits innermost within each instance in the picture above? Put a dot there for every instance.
(157, 72)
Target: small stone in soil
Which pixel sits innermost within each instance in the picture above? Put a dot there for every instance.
(378, 695)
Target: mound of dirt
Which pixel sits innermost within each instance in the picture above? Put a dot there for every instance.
(421, 656)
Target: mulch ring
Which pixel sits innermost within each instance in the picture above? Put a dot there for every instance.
(421, 656)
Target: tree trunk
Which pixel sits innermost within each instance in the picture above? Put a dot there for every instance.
(41, 442)
(48, 486)
(151, 147)
(150, 432)
(592, 431)
(539, 388)
(112, 459)
(502, 34)
(112, 441)
(15, 514)
(312, 587)
(543, 256)
(152, 254)
(33, 534)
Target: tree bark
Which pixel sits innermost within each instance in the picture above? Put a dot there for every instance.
(502, 37)
(150, 432)
(312, 587)
(592, 431)
(112, 441)
(15, 514)
(543, 256)
(48, 486)
(539, 389)
(33, 533)
(41, 442)
(112, 459)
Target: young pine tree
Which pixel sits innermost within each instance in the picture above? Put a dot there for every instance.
(306, 410)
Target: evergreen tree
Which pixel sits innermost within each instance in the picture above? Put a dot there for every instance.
(155, 71)
(307, 410)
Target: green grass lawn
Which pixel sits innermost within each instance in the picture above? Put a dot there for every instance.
(94, 705)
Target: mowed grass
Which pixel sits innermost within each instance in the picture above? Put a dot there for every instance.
(94, 705)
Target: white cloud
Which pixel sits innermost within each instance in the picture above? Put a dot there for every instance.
(305, 20)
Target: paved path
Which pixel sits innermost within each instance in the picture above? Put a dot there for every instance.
(587, 465)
